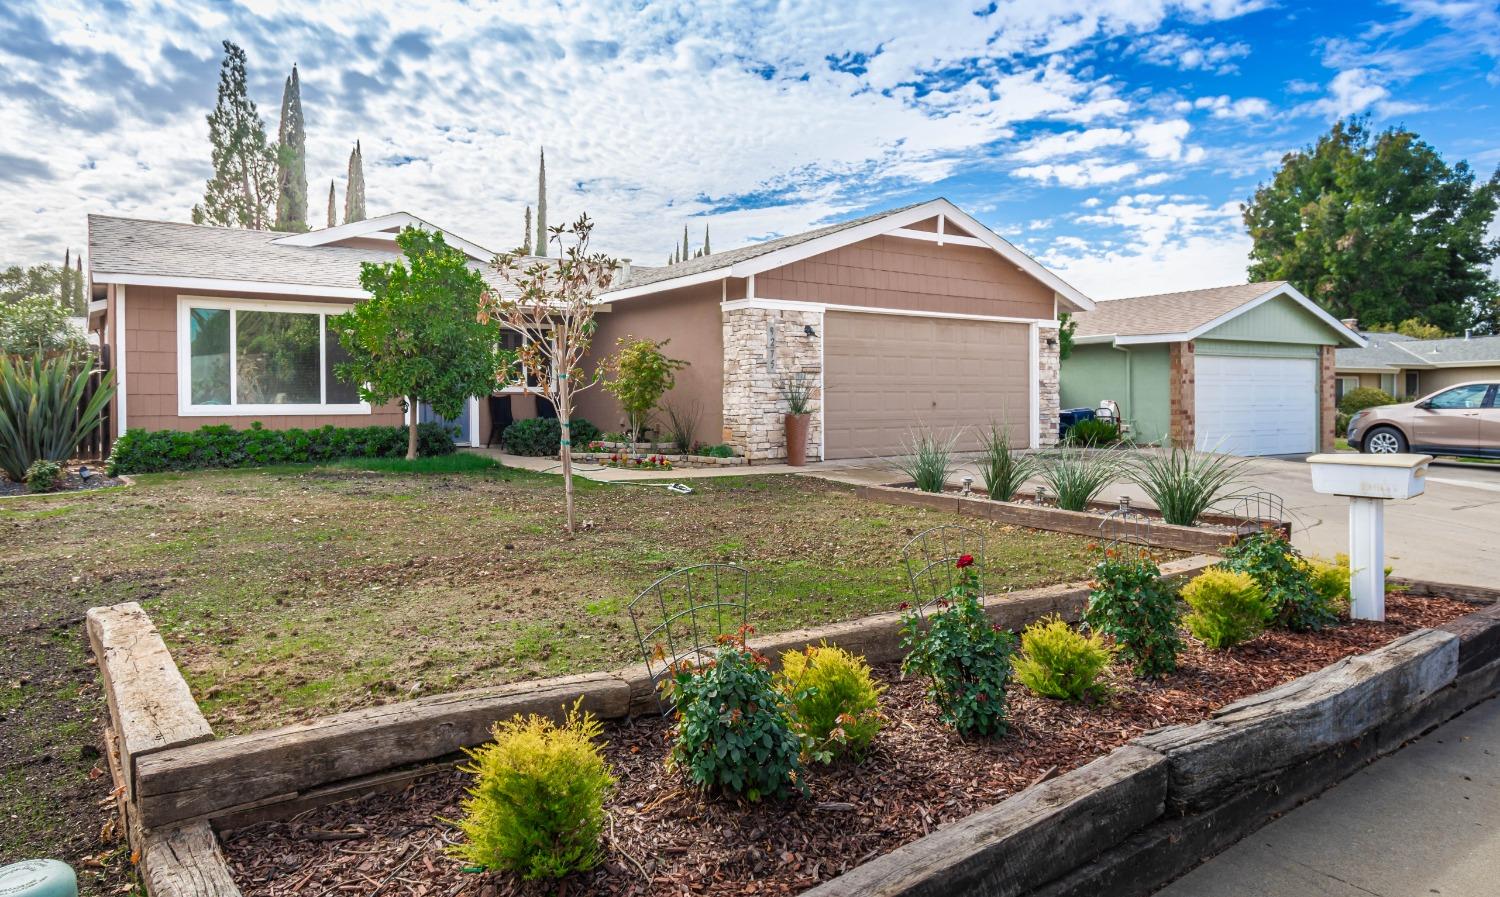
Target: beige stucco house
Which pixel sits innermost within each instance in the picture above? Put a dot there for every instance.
(916, 317)
(1410, 368)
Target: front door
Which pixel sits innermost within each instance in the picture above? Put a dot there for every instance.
(425, 414)
(1449, 421)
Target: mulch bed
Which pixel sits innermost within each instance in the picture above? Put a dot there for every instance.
(71, 481)
(664, 837)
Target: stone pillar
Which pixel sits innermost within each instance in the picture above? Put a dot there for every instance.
(1327, 406)
(1049, 385)
(1182, 430)
(764, 348)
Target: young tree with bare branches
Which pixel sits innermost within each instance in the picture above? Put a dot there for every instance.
(552, 308)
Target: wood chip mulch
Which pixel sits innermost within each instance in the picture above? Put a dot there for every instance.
(664, 837)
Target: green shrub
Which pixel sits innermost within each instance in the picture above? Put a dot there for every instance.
(1331, 580)
(716, 451)
(965, 657)
(732, 733)
(928, 460)
(1281, 573)
(1364, 397)
(537, 803)
(42, 413)
(1058, 661)
(43, 476)
(541, 437)
(1341, 424)
(38, 325)
(221, 445)
(1130, 603)
(1183, 482)
(1077, 476)
(1228, 607)
(1003, 469)
(835, 704)
(1092, 431)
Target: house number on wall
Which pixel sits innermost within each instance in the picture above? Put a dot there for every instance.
(771, 346)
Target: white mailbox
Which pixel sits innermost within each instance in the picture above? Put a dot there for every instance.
(1369, 481)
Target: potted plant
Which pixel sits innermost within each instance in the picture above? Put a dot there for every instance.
(798, 397)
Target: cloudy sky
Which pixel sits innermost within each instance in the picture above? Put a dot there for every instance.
(1113, 139)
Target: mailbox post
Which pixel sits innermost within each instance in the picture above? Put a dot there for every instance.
(1369, 481)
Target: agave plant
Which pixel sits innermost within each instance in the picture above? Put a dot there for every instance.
(1183, 482)
(1077, 476)
(42, 413)
(928, 460)
(1003, 469)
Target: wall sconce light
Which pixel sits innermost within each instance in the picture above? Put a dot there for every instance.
(807, 330)
(1051, 343)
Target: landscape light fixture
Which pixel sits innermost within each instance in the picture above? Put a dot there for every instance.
(968, 483)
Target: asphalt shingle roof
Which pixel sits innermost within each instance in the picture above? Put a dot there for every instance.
(1392, 350)
(1168, 312)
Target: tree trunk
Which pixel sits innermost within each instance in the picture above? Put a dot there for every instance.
(411, 432)
(565, 418)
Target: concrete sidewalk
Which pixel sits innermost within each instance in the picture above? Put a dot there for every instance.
(1423, 821)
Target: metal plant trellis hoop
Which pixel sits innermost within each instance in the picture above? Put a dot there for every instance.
(1256, 511)
(679, 618)
(1124, 524)
(932, 558)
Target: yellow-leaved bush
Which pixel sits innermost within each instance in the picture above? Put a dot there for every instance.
(536, 806)
(1330, 580)
(834, 702)
(1228, 607)
(1058, 661)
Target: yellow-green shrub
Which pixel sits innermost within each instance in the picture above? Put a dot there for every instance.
(835, 704)
(1228, 607)
(1330, 581)
(1058, 661)
(537, 803)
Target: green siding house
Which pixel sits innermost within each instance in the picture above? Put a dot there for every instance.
(1246, 369)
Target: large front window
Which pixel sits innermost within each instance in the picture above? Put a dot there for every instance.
(242, 357)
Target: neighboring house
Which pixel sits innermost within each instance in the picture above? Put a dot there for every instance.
(1410, 368)
(916, 317)
(1246, 369)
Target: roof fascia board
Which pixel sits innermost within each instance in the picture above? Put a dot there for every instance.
(372, 228)
(661, 286)
(1022, 260)
(1285, 289)
(230, 286)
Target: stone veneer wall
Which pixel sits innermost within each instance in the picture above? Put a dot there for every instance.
(753, 408)
(1182, 391)
(1049, 385)
(1327, 404)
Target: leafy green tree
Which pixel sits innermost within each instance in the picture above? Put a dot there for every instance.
(17, 282)
(642, 375)
(1379, 227)
(419, 336)
(1412, 327)
(1066, 327)
(243, 185)
(354, 188)
(38, 325)
(291, 160)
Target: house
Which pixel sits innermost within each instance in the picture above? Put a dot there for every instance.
(915, 317)
(1246, 369)
(1409, 368)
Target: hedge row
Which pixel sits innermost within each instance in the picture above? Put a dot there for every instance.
(541, 437)
(143, 451)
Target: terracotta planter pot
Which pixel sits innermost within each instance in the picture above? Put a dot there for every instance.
(796, 439)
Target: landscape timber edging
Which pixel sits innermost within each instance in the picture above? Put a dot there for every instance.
(1082, 523)
(239, 774)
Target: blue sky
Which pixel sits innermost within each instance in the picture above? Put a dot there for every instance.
(1112, 139)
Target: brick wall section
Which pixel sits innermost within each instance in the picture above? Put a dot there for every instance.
(1181, 385)
(753, 408)
(1049, 382)
(1327, 410)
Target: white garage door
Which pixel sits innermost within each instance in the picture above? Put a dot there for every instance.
(1257, 406)
(887, 375)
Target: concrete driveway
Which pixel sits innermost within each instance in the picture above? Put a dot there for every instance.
(1450, 534)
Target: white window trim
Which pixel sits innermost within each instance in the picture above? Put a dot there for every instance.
(185, 408)
(523, 390)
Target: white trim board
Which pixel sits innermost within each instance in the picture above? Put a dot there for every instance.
(799, 305)
(122, 390)
(374, 228)
(230, 286)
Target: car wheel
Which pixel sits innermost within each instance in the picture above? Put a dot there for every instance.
(1384, 441)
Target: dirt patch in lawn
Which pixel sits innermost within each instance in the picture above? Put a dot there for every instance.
(665, 837)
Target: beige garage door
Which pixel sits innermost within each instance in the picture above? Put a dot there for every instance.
(885, 375)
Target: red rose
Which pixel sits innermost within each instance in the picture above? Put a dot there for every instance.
(906, 605)
(965, 561)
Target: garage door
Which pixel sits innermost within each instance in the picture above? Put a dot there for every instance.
(1257, 406)
(885, 375)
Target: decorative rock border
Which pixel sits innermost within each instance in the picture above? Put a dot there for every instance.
(1083, 523)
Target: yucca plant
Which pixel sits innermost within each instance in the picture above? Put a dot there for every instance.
(42, 415)
(1183, 482)
(1077, 476)
(928, 460)
(1003, 469)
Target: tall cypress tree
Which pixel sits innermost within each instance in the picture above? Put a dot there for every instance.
(243, 185)
(541, 205)
(526, 241)
(291, 160)
(685, 249)
(80, 297)
(333, 215)
(706, 250)
(354, 189)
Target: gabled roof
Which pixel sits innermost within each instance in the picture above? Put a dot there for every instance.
(382, 227)
(1178, 317)
(1393, 352)
(758, 257)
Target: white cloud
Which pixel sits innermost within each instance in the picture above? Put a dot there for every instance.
(1087, 173)
(1357, 90)
(1181, 51)
(1243, 108)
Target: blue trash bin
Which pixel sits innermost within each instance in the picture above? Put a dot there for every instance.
(38, 878)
